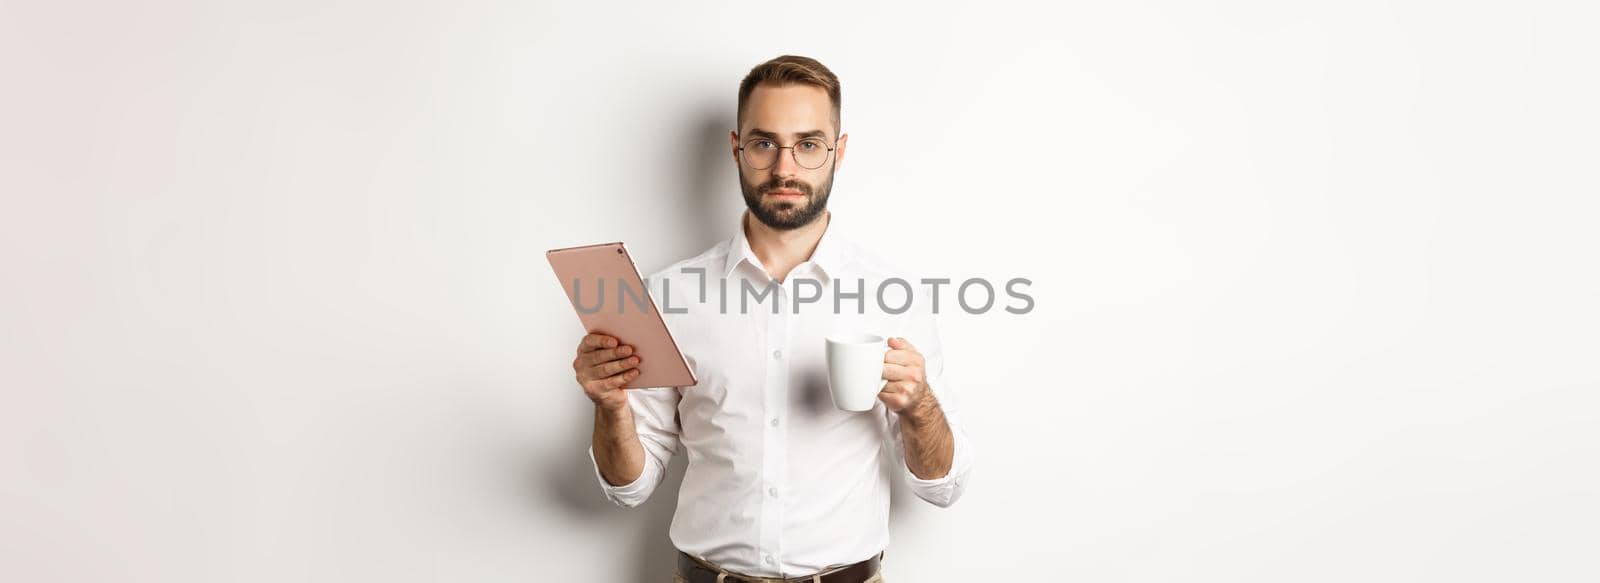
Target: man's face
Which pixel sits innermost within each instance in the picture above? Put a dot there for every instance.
(787, 195)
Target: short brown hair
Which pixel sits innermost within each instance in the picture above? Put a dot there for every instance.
(787, 70)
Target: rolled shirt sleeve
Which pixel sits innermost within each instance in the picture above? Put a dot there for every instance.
(655, 419)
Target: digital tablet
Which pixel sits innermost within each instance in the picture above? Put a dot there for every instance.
(610, 298)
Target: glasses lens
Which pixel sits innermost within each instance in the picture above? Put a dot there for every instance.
(760, 154)
(810, 153)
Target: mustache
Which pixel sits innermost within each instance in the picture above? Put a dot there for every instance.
(776, 184)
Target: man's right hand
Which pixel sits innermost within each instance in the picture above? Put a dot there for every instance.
(603, 365)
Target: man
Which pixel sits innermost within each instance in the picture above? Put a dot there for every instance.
(780, 484)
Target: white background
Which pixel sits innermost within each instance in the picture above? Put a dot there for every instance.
(1317, 288)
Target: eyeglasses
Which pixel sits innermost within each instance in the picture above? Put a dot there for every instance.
(762, 153)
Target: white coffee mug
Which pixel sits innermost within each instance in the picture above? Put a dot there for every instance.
(855, 370)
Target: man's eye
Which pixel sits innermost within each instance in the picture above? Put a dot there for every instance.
(808, 146)
(764, 145)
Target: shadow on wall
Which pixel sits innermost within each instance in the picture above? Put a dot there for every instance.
(570, 477)
(708, 202)
(706, 209)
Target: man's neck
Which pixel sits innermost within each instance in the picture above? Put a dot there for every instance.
(781, 251)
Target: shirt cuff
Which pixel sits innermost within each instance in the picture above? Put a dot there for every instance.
(627, 495)
(944, 490)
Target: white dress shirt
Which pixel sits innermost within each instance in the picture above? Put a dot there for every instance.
(780, 482)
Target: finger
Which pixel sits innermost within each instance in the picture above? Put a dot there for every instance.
(616, 366)
(896, 372)
(903, 344)
(593, 342)
(899, 388)
(903, 357)
(600, 386)
(605, 355)
(616, 381)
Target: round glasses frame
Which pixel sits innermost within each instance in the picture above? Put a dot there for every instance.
(744, 152)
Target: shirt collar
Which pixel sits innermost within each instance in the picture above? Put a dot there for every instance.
(827, 257)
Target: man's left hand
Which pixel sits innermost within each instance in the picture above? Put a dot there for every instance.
(904, 368)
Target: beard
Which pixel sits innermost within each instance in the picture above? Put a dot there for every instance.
(784, 215)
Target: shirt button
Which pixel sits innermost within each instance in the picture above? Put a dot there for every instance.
(777, 354)
(774, 421)
(773, 492)
(770, 560)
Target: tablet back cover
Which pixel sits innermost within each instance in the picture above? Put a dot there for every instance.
(610, 297)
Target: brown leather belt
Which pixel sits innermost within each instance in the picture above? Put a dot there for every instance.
(697, 572)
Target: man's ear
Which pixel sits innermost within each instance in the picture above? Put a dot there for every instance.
(733, 146)
(838, 152)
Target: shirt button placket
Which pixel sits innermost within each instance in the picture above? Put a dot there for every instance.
(775, 397)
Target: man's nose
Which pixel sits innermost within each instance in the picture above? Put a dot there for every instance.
(785, 167)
